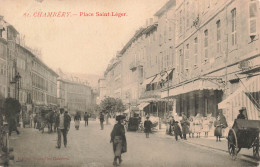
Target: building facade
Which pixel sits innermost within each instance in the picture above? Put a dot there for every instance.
(27, 78)
(197, 57)
(74, 96)
(212, 41)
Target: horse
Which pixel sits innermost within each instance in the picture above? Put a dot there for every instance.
(47, 118)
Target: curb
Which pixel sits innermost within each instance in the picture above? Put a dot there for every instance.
(241, 156)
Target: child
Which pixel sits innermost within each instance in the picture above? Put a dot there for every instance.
(192, 128)
(147, 126)
(205, 125)
(197, 122)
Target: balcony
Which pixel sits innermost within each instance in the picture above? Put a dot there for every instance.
(133, 65)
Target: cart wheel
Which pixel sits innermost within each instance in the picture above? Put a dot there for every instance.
(232, 144)
(256, 149)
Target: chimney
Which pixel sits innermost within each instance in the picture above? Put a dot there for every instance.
(147, 23)
(150, 21)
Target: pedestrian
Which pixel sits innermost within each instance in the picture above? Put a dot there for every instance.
(198, 124)
(223, 121)
(12, 125)
(171, 123)
(118, 139)
(176, 129)
(63, 127)
(218, 129)
(185, 125)
(86, 116)
(241, 115)
(205, 125)
(35, 120)
(56, 124)
(147, 126)
(77, 119)
(191, 128)
(101, 118)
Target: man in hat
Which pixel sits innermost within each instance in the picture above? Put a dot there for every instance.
(241, 115)
(118, 139)
(101, 118)
(63, 122)
(147, 126)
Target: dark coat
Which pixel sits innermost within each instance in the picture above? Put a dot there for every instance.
(86, 116)
(147, 126)
(218, 128)
(176, 128)
(101, 117)
(119, 130)
(241, 116)
(67, 120)
(185, 126)
(77, 118)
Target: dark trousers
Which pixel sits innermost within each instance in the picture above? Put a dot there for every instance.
(64, 133)
(34, 124)
(102, 125)
(86, 122)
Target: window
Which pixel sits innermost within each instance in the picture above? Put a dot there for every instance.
(196, 51)
(181, 61)
(206, 44)
(180, 22)
(218, 36)
(187, 55)
(187, 15)
(252, 17)
(233, 30)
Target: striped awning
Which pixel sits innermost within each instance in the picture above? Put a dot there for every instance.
(247, 95)
(148, 80)
(199, 84)
(142, 105)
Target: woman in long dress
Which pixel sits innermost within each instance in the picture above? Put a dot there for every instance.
(198, 125)
(205, 125)
(118, 139)
(218, 129)
(77, 119)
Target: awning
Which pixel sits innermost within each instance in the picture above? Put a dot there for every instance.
(246, 95)
(199, 84)
(142, 105)
(148, 80)
(164, 77)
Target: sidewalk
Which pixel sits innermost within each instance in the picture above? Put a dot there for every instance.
(211, 144)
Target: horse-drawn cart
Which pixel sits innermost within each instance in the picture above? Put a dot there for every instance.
(244, 134)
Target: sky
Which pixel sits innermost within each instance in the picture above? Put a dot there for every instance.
(78, 44)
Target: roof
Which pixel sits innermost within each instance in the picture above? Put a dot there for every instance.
(37, 59)
(138, 33)
(165, 8)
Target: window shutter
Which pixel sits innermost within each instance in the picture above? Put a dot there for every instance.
(252, 17)
(252, 27)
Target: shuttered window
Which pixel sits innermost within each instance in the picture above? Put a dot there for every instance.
(187, 56)
(218, 36)
(206, 44)
(252, 17)
(196, 51)
(233, 30)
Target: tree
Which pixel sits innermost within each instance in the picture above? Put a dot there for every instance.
(112, 105)
(12, 107)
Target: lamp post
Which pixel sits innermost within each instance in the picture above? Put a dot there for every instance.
(16, 81)
(162, 73)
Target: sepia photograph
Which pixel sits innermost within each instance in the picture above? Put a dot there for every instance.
(129, 83)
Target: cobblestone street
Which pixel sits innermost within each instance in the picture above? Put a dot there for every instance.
(90, 147)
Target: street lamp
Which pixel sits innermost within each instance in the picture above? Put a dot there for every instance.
(162, 73)
(16, 81)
